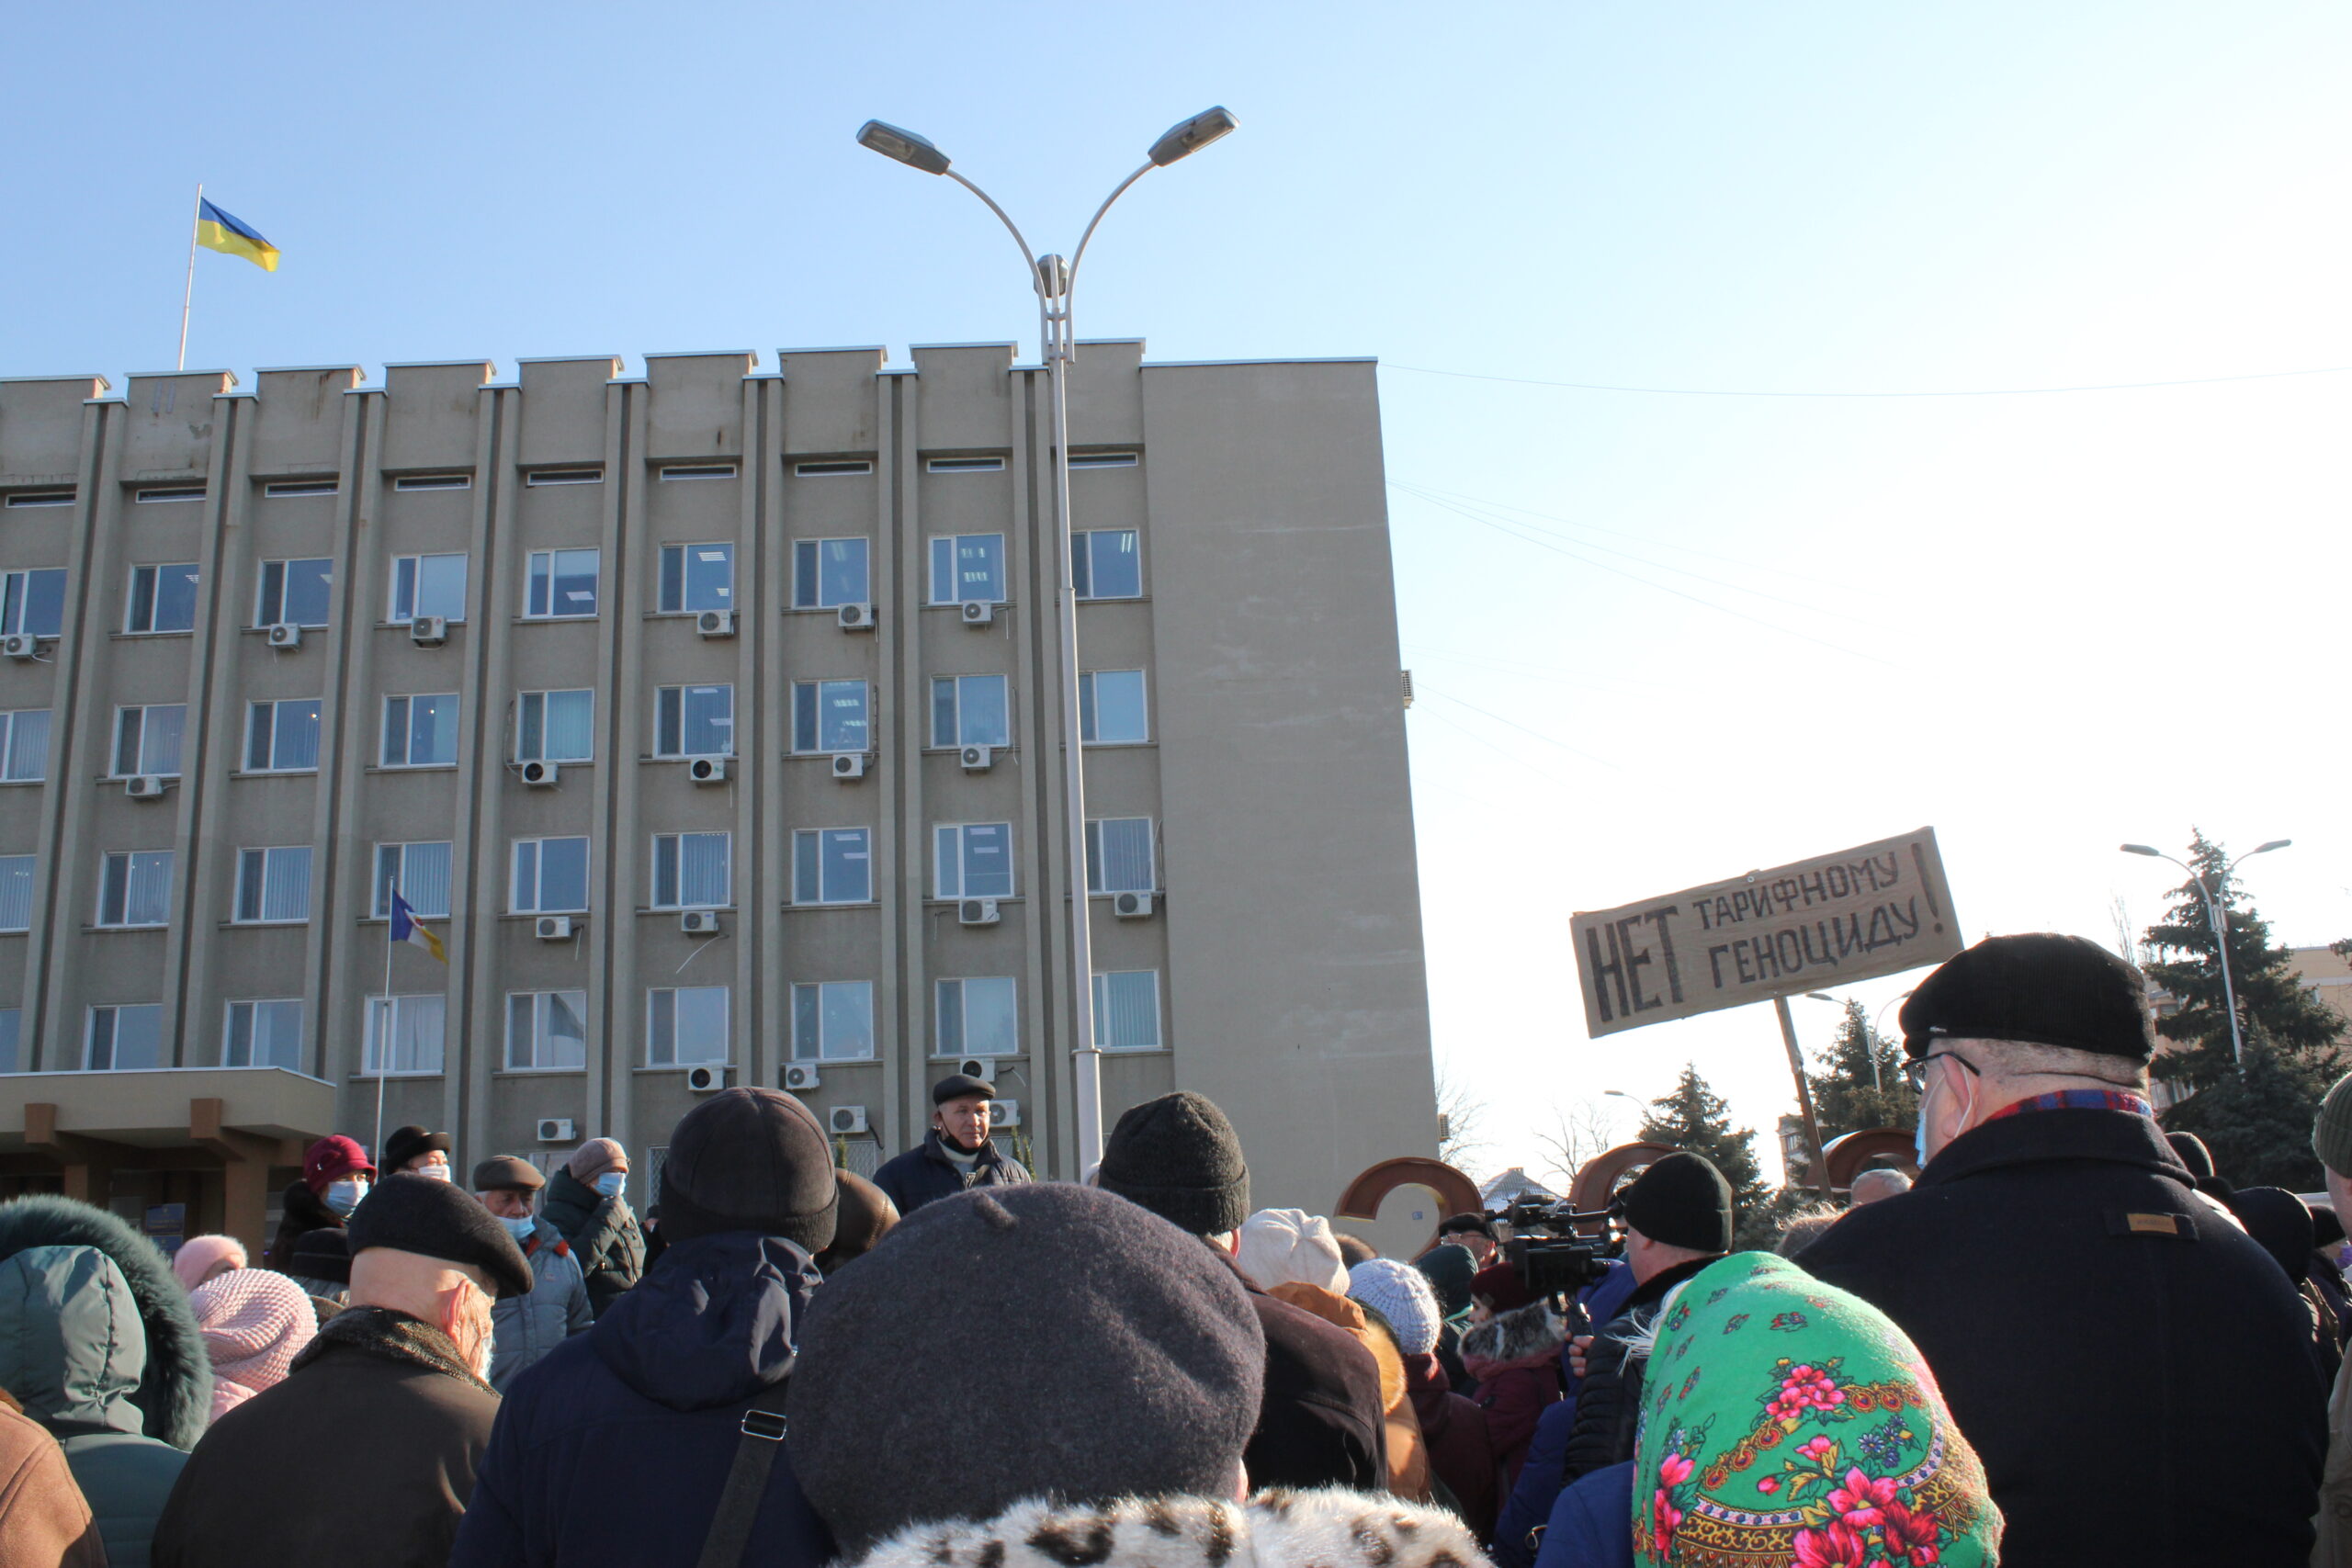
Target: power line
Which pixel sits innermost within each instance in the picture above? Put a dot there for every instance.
(1970, 392)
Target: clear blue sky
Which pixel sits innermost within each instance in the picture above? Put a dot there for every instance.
(1719, 632)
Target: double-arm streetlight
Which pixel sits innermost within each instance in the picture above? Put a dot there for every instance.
(1052, 279)
(2220, 928)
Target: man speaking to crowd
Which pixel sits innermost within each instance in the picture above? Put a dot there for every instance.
(956, 1154)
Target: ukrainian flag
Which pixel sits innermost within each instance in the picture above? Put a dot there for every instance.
(216, 230)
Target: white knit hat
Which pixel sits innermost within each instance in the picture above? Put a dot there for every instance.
(1401, 1295)
(1290, 1246)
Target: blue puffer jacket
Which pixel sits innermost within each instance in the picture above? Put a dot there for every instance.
(529, 1326)
(1593, 1524)
(613, 1449)
(1540, 1477)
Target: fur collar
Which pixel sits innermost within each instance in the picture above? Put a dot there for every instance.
(1276, 1528)
(1524, 1336)
(381, 1331)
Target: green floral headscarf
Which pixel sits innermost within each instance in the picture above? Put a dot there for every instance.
(1786, 1424)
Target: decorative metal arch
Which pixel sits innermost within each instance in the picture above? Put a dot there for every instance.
(1848, 1157)
(1456, 1193)
(1597, 1177)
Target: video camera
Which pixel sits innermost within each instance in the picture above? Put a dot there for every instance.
(1551, 1258)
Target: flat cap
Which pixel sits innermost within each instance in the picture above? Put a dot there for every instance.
(507, 1173)
(2038, 988)
(958, 1085)
(321, 1254)
(433, 1219)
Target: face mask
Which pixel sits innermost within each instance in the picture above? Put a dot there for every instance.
(611, 1183)
(438, 1172)
(343, 1196)
(519, 1229)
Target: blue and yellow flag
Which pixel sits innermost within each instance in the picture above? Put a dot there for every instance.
(216, 230)
(406, 928)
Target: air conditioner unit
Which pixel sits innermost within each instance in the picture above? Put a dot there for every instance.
(978, 913)
(846, 1119)
(555, 928)
(978, 613)
(849, 764)
(429, 631)
(716, 623)
(555, 1129)
(699, 922)
(1004, 1113)
(800, 1077)
(146, 786)
(709, 1079)
(707, 770)
(541, 775)
(20, 645)
(979, 1067)
(286, 636)
(978, 759)
(1132, 906)
(855, 617)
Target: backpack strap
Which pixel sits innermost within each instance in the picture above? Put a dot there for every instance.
(747, 1479)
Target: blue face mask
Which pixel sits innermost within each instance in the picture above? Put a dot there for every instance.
(519, 1229)
(611, 1183)
(343, 1196)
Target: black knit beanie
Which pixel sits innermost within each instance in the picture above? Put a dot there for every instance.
(1684, 1200)
(750, 1159)
(1177, 1156)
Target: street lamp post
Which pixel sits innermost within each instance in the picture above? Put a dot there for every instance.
(1052, 279)
(2220, 928)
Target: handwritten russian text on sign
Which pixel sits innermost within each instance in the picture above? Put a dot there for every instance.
(1878, 910)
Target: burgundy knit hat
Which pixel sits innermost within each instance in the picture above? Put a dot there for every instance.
(1499, 1286)
(332, 1158)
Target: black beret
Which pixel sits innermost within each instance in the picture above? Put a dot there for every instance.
(1461, 1224)
(955, 1085)
(437, 1219)
(750, 1159)
(507, 1173)
(2039, 988)
(321, 1254)
(1684, 1200)
(404, 1144)
(1178, 1156)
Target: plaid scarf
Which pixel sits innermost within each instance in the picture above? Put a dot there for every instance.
(2079, 1099)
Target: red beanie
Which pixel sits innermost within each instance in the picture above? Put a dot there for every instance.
(332, 1158)
(1499, 1286)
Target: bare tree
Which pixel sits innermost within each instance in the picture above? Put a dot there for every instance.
(2126, 939)
(1460, 1118)
(1578, 1132)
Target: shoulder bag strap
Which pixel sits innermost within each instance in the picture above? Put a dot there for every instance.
(747, 1480)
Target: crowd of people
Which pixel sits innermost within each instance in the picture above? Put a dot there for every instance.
(2068, 1340)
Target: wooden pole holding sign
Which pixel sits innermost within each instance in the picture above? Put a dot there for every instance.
(1804, 1096)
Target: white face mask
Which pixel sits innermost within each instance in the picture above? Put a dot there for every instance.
(438, 1172)
(343, 1196)
(611, 1183)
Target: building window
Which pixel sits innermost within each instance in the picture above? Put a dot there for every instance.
(563, 583)
(685, 1026)
(1118, 855)
(282, 736)
(966, 464)
(294, 592)
(421, 732)
(537, 477)
(264, 1034)
(971, 710)
(1111, 707)
(830, 572)
(967, 566)
(281, 490)
(672, 472)
(33, 601)
(1126, 1010)
(556, 726)
(546, 1030)
(819, 470)
(696, 577)
(24, 745)
(830, 715)
(434, 481)
(163, 493)
(694, 721)
(976, 1018)
(16, 893)
(162, 599)
(135, 888)
(12, 1022)
(428, 585)
(1106, 564)
(1102, 459)
(550, 876)
(973, 860)
(124, 1039)
(691, 870)
(40, 498)
(404, 1035)
(832, 1020)
(832, 865)
(147, 739)
(421, 871)
(274, 885)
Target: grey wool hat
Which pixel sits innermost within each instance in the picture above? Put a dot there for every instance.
(1121, 1356)
(1177, 1156)
(2332, 1128)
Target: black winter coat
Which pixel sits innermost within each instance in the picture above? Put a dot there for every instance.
(602, 1235)
(1608, 1401)
(305, 1211)
(2135, 1373)
(1321, 1422)
(925, 1173)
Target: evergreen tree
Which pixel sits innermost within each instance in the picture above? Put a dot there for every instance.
(1860, 1084)
(2258, 1124)
(1693, 1116)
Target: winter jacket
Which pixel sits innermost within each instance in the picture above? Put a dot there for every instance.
(1515, 1358)
(1274, 1529)
(1453, 1429)
(1540, 1476)
(614, 1448)
(362, 1457)
(925, 1173)
(100, 1345)
(304, 1210)
(2333, 1523)
(1409, 1462)
(529, 1326)
(1321, 1422)
(1593, 1524)
(44, 1522)
(1609, 1402)
(2137, 1381)
(603, 1234)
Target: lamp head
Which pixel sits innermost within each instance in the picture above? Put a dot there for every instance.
(2142, 850)
(1820, 996)
(904, 146)
(1189, 137)
(2273, 844)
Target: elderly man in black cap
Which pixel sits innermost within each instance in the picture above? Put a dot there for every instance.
(956, 1154)
(2137, 1377)
(557, 1307)
(364, 1455)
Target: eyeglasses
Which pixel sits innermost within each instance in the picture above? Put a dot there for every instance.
(1916, 1072)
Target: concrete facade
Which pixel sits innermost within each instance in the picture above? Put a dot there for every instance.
(590, 517)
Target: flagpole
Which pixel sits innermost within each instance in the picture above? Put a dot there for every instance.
(383, 1032)
(188, 296)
